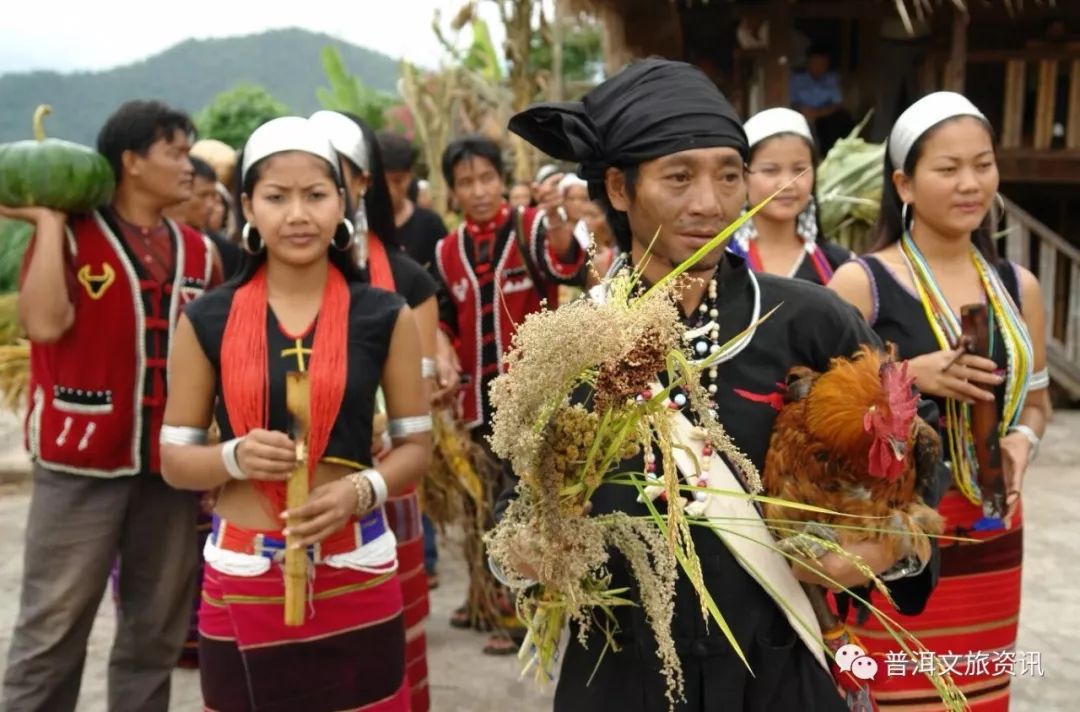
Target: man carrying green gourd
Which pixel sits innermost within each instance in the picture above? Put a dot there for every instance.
(99, 294)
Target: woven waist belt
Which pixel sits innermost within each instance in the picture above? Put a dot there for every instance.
(269, 542)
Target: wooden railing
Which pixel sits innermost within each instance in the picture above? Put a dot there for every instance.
(1056, 263)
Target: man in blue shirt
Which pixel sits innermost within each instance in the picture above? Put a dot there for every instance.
(815, 92)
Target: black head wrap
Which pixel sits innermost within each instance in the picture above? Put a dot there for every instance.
(652, 108)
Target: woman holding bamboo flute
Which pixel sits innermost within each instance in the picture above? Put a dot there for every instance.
(935, 265)
(298, 306)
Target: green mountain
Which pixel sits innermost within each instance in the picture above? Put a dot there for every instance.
(187, 75)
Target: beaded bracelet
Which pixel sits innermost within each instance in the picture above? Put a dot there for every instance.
(365, 493)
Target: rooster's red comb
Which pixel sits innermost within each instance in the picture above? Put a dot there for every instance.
(903, 401)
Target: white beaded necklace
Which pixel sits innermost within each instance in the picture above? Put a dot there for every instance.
(704, 348)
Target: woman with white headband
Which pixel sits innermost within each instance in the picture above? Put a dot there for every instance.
(784, 238)
(935, 255)
(298, 305)
(386, 266)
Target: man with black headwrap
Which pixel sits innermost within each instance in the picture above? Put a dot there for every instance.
(663, 150)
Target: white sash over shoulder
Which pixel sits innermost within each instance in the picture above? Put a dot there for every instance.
(740, 526)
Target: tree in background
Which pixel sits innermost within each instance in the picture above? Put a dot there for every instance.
(347, 93)
(479, 87)
(468, 94)
(579, 38)
(234, 114)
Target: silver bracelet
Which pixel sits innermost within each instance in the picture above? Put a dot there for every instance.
(378, 485)
(403, 427)
(1029, 433)
(910, 565)
(427, 368)
(182, 435)
(1039, 380)
(232, 464)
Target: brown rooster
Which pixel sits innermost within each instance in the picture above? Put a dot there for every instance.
(849, 440)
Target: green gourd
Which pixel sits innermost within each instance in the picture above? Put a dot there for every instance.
(51, 173)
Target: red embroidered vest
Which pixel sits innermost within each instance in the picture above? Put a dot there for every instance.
(513, 297)
(97, 396)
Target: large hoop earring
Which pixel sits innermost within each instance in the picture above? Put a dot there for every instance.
(250, 241)
(361, 235)
(999, 199)
(904, 217)
(344, 244)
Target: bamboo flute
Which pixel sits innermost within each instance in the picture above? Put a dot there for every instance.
(985, 419)
(298, 404)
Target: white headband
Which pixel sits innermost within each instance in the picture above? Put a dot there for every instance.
(568, 181)
(772, 122)
(288, 133)
(346, 136)
(923, 115)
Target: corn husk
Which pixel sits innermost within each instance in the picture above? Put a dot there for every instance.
(14, 355)
(849, 191)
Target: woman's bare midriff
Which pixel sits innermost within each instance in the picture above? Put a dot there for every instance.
(241, 503)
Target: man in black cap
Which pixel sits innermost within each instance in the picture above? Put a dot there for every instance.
(663, 150)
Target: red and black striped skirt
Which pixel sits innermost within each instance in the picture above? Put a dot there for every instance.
(403, 516)
(969, 624)
(348, 655)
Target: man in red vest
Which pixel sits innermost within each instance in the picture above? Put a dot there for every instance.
(499, 266)
(99, 297)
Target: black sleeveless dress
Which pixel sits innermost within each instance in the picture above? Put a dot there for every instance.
(372, 316)
(973, 611)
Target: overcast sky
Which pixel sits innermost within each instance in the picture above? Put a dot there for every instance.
(67, 35)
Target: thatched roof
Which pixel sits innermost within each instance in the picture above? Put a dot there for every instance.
(908, 10)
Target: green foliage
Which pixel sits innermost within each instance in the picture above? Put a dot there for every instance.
(347, 93)
(188, 76)
(14, 236)
(583, 53)
(234, 114)
(482, 57)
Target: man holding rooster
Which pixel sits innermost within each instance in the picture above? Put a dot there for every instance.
(663, 150)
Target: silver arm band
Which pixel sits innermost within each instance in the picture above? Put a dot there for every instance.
(228, 456)
(182, 435)
(1039, 380)
(1032, 438)
(404, 427)
(378, 485)
(427, 368)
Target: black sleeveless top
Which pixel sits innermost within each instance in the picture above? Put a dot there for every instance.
(372, 316)
(411, 281)
(899, 317)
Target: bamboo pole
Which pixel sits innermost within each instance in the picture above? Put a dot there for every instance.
(956, 66)
(1045, 99)
(557, 34)
(1072, 120)
(298, 404)
(1013, 114)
